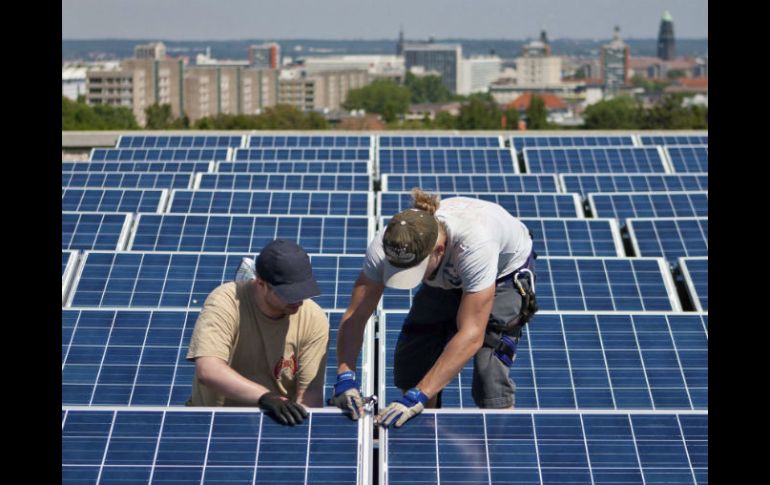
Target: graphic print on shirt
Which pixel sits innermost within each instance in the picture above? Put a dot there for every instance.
(285, 368)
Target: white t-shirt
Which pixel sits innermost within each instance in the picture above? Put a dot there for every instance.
(484, 242)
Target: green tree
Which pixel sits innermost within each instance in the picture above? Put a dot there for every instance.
(675, 74)
(511, 118)
(619, 113)
(479, 113)
(445, 121)
(427, 89)
(537, 115)
(381, 96)
(77, 115)
(158, 117)
(670, 114)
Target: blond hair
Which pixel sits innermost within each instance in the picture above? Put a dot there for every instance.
(424, 201)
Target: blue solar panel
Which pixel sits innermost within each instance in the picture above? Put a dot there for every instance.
(182, 167)
(589, 284)
(671, 238)
(470, 183)
(303, 154)
(325, 167)
(110, 446)
(544, 141)
(696, 276)
(159, 154)
(126, 180)
(520, 205)
(575, 237)
(177, 141)
(226, 233)
(453, 141)
(493, 447)
(649, 204)
(83, 230)
(588, 183)
(68, 263)
(675, 140)
(278, 181)
(452, 161)
(134, 357)
(594, 160)
(184, 280)
(272, 202)
(689, 159)
(305, 141)
(113, 200)
(589, 361)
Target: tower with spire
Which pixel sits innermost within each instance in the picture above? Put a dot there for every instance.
(615, 62)
(666, 37)
(400, 45)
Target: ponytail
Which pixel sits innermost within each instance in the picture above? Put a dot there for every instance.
(424, 201)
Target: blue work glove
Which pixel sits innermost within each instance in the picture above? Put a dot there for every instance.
(347, 395)
(399, 412)
(507, 351)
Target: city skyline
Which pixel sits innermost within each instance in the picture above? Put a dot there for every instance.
(367, 19)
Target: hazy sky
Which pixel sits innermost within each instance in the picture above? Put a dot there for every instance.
(376, 19)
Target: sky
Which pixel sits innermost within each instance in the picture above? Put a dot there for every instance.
(380, 19)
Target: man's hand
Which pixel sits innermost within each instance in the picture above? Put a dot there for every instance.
(409, 405)
(347, 395)
(282, 409)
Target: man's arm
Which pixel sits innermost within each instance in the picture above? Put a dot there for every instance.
(472, 318)
(215, 374)
(363, 301)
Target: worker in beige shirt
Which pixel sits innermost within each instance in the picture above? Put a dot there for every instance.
(262, 341)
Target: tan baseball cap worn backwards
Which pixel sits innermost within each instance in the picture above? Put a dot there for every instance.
(408, 242)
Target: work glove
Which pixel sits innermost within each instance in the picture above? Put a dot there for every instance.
(399, 412)
(347, 395)
(282, 409)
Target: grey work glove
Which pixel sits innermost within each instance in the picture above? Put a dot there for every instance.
(282, 409)
(401, 410)
(347, 395)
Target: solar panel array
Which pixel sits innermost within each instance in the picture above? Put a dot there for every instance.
(611, 375)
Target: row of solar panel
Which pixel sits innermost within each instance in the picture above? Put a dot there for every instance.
(617, 205)
(421, 161)
(668, 237)
(165, 279)
(518, 142)
(136, 357)
(530, 183)
(114, 445)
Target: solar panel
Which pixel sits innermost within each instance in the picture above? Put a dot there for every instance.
(453, 161)
(176, 141)
(470, 183)
(589, 361)
(160, 154)
(578, 448)
(588, 183)
(113, 200)
(126, 180)
(180, 167)
(589, 284)
(674, 139)
(184, 280)
(157, 445)
(595, 160)
(296, 167)
(695, 271)
(228, 233)
(649, 204)
(305, 141)
(137, 357)
(689, 158)
(69, 260)
(520, 205)
(303, 154)
(452, 141)
(272, 202)
(91, 230)
(282, 181)
(670, 237)
(546, 141)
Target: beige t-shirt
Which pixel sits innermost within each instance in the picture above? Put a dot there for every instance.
(283, 355)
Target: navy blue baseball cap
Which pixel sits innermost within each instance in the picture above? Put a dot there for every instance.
(286, 266)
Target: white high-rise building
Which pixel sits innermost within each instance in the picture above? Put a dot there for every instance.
(477, 73)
